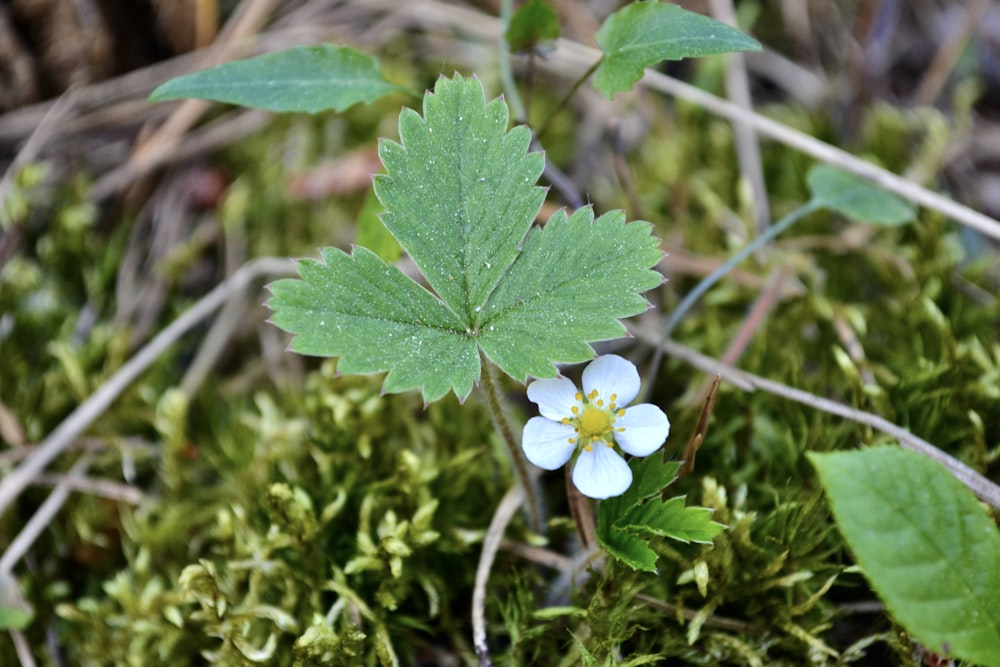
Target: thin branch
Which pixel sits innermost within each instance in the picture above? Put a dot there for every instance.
(41, 518)
(92, 408)
(491, 543)
(104, 488)
(747, 146)
(985, 490)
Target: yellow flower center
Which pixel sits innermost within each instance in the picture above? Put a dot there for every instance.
(594, 423)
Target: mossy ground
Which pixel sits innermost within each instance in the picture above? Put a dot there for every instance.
(291, 516)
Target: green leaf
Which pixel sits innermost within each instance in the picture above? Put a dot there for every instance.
(459, 192)
(925, 544)
(625, 522)
(306, 79)
(534, 24)
(642, 34)
(575, 277)
(460, 196)
(857, 199)
(376, 319)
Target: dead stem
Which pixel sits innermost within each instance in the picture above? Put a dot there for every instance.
(491, 543)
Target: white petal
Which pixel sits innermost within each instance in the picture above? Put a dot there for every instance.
(555, 397)
(646, 427)
(611, 374)
(601, 473)
(546, 443)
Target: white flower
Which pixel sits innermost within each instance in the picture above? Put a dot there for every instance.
(593, 421)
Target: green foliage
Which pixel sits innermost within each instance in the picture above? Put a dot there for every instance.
(460, 197)
(306, 79)
(642, 34)
(535, 24)
(395, 495)
(293, 522)
(924, 543)
(625, 523)
(856, 198)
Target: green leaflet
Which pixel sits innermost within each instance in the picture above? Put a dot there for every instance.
(642, 34)
(460, 196)
(533, 25)
(307, 79)
(625, 523)
(459, 191)
(376, 319)
(924, 542)
(575, 277)
(856, 198)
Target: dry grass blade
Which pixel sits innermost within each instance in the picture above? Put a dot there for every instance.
(698, 437)
(77, 422)
(986, 490)
(491, 544)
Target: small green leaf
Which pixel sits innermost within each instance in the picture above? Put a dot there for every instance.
(534, 24)
(857, 199)
(460, 196)
(925, 544)
(625, 522)
(642, 34)
(306, 79)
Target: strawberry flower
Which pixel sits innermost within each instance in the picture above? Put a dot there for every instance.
(593, 422)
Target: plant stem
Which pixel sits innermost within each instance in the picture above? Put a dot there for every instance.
(503, 64)
(490, 386)
(566, 98)
(711, 279)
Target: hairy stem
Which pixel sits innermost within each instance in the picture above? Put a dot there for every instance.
(490, 386)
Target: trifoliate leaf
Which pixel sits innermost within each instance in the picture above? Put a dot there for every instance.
(460, 196)
(306, 79)
(574, 278)
(534, 24)
(857, 199)
(625, 523)
(642, 34)
(926, 545)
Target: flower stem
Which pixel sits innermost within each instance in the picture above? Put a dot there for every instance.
(566, 98)
(489, 384)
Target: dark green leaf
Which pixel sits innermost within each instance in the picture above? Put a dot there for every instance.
(307, 79)
(626, 522)
(534, 24)
(642, 34)
(924, 542)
